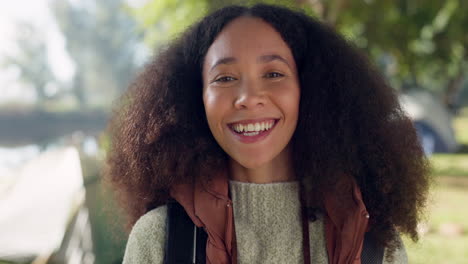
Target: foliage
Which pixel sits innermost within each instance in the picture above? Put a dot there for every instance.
(163, 20)
(103, 44)
(30, 58)
(417, 43)
(426, 40)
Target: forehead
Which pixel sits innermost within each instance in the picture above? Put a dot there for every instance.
(247, 37)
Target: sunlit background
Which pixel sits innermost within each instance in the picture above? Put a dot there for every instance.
(63, 64)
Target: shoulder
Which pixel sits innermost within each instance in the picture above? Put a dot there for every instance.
(317, 242)
(318, 245)
(152, 222)
(147, 239)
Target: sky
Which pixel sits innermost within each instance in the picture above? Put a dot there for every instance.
(36, 12)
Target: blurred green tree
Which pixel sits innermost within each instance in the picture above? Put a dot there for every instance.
(420, 43)
(426, 41)
(30, 58)
(162, 20)
(102, 41)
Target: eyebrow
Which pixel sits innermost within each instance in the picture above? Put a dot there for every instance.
(225, 60)
(272, 57)
(261, 59)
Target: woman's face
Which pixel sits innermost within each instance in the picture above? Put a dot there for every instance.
(251, 92)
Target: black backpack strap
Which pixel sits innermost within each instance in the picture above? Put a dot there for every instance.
(372, 252)
(201, 238)
(181, 247)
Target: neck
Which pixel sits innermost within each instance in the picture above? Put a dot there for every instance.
(280, 169)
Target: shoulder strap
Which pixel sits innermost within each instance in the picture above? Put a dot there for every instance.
(372, 253)
(186, 243)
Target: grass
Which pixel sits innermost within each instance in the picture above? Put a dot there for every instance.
(460, 125)
(447, 206)
(450, 165)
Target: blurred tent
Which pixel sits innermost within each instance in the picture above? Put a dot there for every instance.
(41, 211)
(432, 121)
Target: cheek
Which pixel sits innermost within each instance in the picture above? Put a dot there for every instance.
(289, 100)
(292, 96)
(209, 101)
(294, 102)
(215, 104)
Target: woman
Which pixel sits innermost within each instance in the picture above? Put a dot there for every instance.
(275, 135)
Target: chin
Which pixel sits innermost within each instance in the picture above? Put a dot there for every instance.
(253, 163)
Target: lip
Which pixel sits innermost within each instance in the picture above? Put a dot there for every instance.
(252, 139)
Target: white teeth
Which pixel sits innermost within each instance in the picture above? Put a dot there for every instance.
(249, 134)
(249, 129)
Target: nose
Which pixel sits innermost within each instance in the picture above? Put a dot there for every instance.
(250, 96)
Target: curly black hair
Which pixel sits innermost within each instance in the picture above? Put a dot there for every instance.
(350, 123)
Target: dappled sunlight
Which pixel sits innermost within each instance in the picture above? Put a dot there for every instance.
(65, 64)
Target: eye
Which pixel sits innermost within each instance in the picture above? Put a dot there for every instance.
(225, 79)
(273, 75)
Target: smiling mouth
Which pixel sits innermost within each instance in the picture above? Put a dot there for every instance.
(252, 129)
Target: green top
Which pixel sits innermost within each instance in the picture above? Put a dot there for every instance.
(268, 228)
